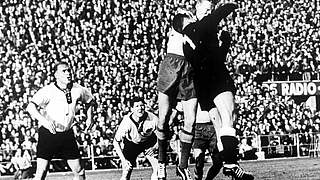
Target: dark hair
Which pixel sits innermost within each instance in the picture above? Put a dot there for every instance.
(178, 22)
(136, 99)
(55, 68)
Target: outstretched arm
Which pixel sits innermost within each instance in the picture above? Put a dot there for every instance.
(221, 12)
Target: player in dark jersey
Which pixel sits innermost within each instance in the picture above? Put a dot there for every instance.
(213, 82)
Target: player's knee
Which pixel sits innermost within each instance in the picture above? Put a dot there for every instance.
(189, 126)
(160, 134)
(186, 136)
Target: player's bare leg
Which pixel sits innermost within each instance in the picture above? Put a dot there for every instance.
(77, 170)
(42, 169)
(216, 121)
(162, 129)
(225, 104)
(154, 164)
(186, 136)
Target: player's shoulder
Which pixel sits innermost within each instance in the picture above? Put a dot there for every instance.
(48, 87)
(127, 119)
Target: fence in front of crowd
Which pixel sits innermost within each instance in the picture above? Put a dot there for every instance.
(283, 145)
(256, 147)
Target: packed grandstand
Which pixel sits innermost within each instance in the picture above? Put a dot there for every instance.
(115, 48)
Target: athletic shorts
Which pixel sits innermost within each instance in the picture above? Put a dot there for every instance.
(61, 145)
(205, 137)
(131, 150)
(176, 77)
(211, 84)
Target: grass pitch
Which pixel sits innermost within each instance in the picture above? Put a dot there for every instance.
(274, 169)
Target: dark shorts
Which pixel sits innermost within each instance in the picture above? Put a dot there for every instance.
(211, 84)
(131, 150)
(205, 137)
(176, 77)
(61, 145)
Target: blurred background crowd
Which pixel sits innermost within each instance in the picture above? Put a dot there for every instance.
(115, 47)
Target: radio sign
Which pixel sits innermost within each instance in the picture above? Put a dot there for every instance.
(294, 88)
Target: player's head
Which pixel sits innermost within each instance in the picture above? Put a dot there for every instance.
(203, 8)
(181, 20)
(137, 107)
(62, 73)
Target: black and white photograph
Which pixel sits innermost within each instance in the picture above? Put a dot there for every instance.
(160, 90)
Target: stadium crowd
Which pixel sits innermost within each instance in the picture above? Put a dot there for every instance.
(115, 48)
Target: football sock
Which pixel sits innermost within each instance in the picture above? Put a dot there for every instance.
(185, 153)
(199, 164)
(215, 167)
(162, 146)
(230, 149)
(186, 139)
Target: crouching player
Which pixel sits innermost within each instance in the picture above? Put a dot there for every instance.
(136, 134)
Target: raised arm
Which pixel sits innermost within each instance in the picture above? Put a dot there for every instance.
(220, 13)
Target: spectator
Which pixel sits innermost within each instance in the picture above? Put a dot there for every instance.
(114, 36)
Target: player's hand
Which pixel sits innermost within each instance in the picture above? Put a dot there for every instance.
(50, 126)
(225, 37)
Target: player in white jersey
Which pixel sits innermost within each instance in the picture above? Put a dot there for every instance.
(54, 106)
(136, 134)
(175, 83)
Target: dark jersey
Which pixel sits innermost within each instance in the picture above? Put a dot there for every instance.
(204, 34)
(208, 58)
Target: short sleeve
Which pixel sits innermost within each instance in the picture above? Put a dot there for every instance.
(122, 130)
(41, 98)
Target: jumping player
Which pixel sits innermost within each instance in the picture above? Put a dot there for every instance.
(213, 82)
(136, 133)
(58, 102)
(175, 82)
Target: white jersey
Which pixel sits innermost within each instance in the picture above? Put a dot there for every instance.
(175, 43)
(131, 130)
(54, 104)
